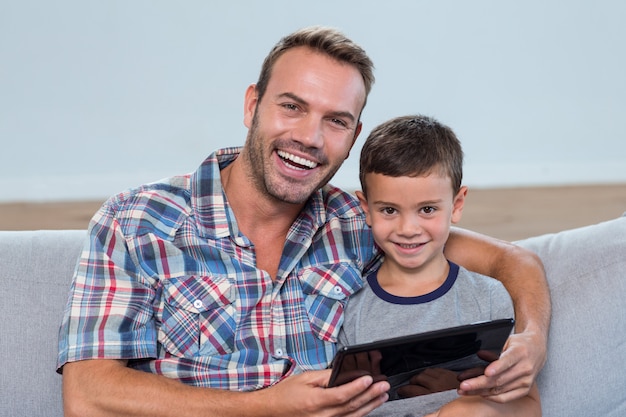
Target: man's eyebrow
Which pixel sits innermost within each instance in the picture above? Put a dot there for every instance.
(293, 97)
(344, 114)
(300, 100)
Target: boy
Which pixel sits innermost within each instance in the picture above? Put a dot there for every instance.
(411, 172)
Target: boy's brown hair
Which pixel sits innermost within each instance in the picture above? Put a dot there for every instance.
(412, 146)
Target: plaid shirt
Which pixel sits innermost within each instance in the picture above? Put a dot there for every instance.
(167, 282)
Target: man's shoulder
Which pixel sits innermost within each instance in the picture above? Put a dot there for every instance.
(160, 206)
(163, 206)
(340, 203)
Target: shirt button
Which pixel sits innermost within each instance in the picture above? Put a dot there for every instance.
(338, 290)
(278, 352)
(198, 304)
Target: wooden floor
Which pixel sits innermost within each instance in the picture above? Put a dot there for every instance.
(510, 214)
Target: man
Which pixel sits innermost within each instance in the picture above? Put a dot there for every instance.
(194, 293)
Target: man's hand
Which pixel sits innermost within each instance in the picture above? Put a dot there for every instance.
(306, 395)
(511, 376)
(522, 273)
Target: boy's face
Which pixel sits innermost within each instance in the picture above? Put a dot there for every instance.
(411, 216)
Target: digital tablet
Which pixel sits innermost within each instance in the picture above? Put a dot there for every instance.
(397, 360)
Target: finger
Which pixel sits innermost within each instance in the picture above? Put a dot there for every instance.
(507, 360)
(501, 374)
(359, 397)
(496, 391)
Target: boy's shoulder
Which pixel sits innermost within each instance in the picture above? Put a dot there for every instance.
(474, 278)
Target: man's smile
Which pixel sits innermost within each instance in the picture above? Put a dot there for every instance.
(296, 162)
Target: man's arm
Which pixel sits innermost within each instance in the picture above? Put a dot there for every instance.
(523, 275)
(108, 388)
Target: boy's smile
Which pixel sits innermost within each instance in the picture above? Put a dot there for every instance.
(410, 219)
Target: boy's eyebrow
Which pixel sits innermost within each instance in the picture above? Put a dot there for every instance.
(439, 200)
(421, 203)
(383, 203)
(303, 102)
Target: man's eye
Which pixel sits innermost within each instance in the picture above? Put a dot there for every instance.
(339, 122)
(290, 106)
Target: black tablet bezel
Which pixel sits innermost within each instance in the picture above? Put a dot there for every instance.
(487, 336)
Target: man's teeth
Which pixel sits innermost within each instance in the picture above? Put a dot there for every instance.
(300, 163)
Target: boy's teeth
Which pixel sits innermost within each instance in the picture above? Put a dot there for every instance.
(301, 162)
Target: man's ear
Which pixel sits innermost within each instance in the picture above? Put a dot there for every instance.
(357, 131)
(363, 200)
(250, 102)
(457, 205)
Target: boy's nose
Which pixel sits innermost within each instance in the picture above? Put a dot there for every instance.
(410, 226)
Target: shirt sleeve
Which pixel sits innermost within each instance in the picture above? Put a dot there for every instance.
(109, 309)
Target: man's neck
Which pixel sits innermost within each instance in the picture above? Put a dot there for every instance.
(262, 219)
(254, 210)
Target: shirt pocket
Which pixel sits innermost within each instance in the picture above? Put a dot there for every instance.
(327, 289)
(198, 316)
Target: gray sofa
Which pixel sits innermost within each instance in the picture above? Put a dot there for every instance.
(585, 374)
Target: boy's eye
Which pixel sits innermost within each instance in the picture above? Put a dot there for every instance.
(388, 210)
(428, 210)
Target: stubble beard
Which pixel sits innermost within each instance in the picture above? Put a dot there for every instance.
(282, 189)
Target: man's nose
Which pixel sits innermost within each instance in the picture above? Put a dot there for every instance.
(309, 132)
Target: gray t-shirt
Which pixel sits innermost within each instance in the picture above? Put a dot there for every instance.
(465, 297)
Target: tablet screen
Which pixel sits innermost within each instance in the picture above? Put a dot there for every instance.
(442, 354)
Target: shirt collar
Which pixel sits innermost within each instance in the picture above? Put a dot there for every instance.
(214, 218)
(208, 201)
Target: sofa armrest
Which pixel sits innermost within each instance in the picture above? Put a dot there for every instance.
(35, 274)
(586, 271)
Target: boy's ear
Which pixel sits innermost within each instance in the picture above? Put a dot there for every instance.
(363, 200)
(457, 205)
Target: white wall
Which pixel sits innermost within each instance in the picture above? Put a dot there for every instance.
(98, 96)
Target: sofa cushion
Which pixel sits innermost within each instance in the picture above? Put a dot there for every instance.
(586, 269)
(35, 275)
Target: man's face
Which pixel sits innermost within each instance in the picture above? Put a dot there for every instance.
(304, 126)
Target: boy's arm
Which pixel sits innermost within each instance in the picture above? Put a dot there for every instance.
(528, 406)
(523, 275)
